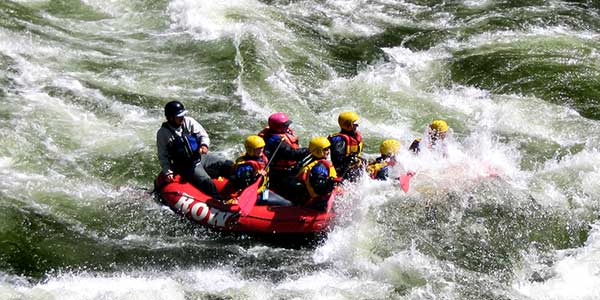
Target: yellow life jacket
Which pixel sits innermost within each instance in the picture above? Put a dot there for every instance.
(374, 167)
(304, 174)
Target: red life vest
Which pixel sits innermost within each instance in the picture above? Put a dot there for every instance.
(354, 144)
(289, 138)
(257, 163)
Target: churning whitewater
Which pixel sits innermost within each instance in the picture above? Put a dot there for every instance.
(512, 211)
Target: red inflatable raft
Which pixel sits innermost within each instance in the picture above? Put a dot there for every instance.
(244, 216)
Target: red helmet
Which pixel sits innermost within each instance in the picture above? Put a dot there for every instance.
(279, 122)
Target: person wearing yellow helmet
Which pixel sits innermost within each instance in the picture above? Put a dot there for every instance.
(283, 150)
(317, 174)
(319, 147)
(347, 146)
(434, 138)
(250, 167)
(182, 148)
(251, 164)
(380, 167)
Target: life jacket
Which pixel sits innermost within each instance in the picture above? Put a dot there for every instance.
(376, 167)
(256, 163)
(354, 144)
(183, 151)
(289, 138)
(304, 175)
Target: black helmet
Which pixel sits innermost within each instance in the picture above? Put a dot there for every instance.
(175, 109)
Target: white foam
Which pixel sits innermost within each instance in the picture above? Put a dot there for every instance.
(53, 116)
(5, 163)
(219, 280)
(568, 181)
(576, 275)
(330, 285)
(209, 20)
(112, 7)
(477, 3)
(83, 287)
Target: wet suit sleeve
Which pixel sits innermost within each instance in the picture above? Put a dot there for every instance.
(285, 152)
(414, 147)
(338, 153)
(383, 173)
(289, 153)
(199, 131)
(163, 137)
(270, 146)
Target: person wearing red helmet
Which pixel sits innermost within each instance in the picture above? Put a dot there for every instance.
(182, 145)
(282, 149)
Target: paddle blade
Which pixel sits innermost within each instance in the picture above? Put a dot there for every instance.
(405, 181)
(247, 198)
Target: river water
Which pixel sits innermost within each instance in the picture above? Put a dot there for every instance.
(82, 89)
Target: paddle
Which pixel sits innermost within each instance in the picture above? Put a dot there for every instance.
(247, 199)
(405, 180)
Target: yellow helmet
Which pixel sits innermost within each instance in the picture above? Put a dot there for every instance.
(317, 145)
(253, 142)
(439, 125)
(389, 147)
(346, 120)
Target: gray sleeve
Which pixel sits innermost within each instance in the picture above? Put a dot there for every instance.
(199, 131)
(163, 137)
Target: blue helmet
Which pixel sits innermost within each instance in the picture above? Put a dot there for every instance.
(320, 171)
(244, 171)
